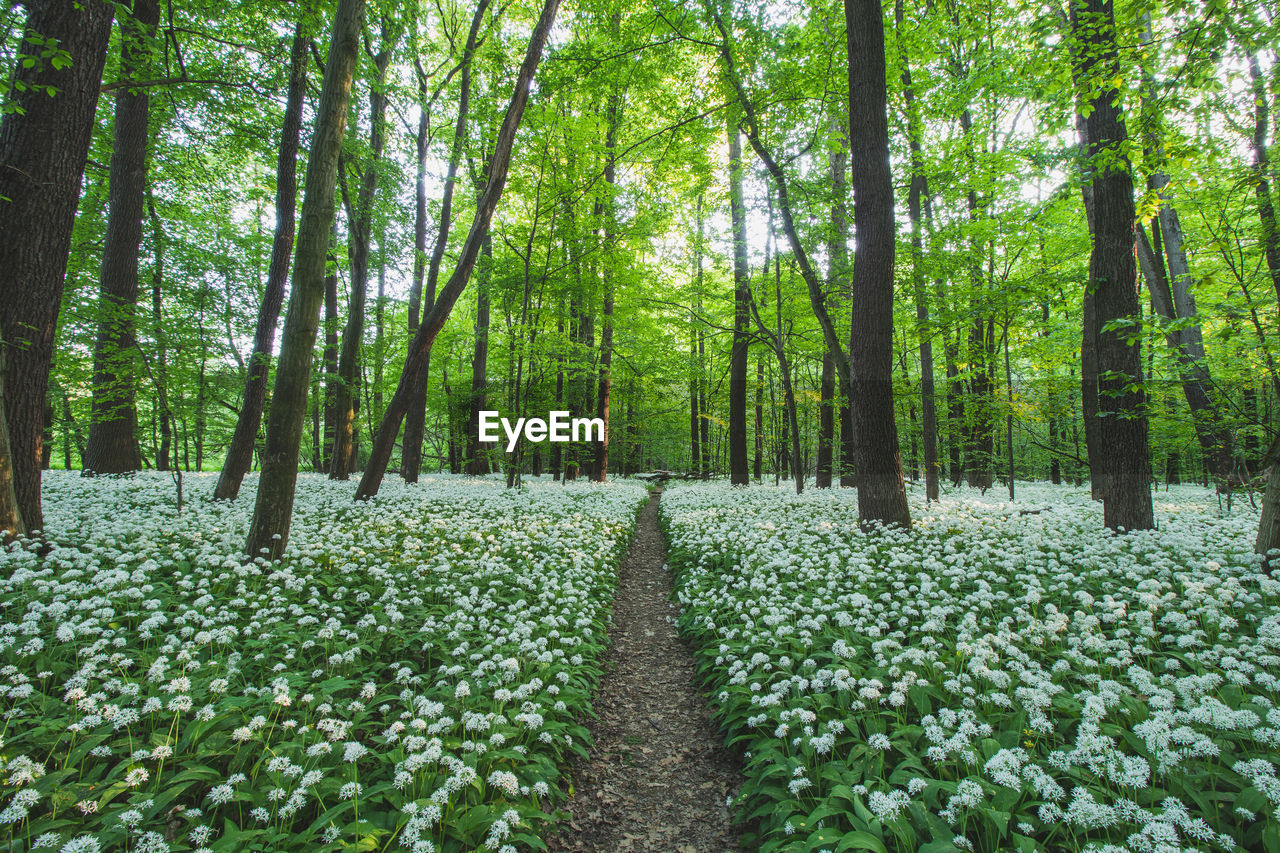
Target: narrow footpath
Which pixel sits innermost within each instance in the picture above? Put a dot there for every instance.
(658, 778)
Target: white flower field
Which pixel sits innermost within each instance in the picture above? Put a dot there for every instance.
(416, 673)
(412, 676)
(998, 678)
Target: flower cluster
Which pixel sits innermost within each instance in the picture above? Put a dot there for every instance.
(407, 677)
(992, 679)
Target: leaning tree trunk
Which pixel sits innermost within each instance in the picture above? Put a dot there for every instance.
(44, 143)
(1124, 446)
(881, 494)
(273, 511)
(112, 447)
(420, 347)
(240, 453)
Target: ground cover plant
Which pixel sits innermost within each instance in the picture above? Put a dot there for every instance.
(1002, 677)
(409, 677)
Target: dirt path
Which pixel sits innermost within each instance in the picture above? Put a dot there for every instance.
(658, 777)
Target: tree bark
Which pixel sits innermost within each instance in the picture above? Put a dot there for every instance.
(11, 524)
(1124, 447)
(477, 460)
(826, 423)
(881, 495)
(112, 447)
(240, 453)
(273, 510)
(915, 194)
(738, 472)
(415, 416)
(420, 348)
(44, 142)
(1262, 174)
(360, 218)
(600, 470)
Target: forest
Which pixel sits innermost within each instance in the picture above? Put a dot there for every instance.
(933, 349)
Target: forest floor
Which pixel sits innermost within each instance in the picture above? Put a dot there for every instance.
(658, 779)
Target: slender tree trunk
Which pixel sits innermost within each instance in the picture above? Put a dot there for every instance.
(614, 118)
(273, 510)
(361, 218)
(477, 461)
(44, 143)
(915, 194)
(113, 442)
(1262, 174)
(162, 348)
(415, 416)
(330, 352)
(757, 467)
(11, 524)
(826, 423)
(420, 348)
(738, 473)
(240, 453)
(881, 494)
(1125, 453)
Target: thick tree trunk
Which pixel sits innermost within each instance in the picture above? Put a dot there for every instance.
(1124, 448)
(420, 348)
(881, 494)
(240, 453)
(44, 142)
(273, 511)
(113, 442)
(738, 472)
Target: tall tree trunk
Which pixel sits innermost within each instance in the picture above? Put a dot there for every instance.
(360, 218)
(738, 473)
(273, 510)
(329, 355)
(11, 524)
(165, 447)
(881, 494)
(1125, 452)
(1262, 174)
(826, 423)
(614, 119)
(757, 467)
(240, 453)
(420, 348)
(113, 442)
(477, 460)
(415, 416)
(44, 143)
(915, 194)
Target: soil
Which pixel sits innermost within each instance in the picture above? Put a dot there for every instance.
(658, 778)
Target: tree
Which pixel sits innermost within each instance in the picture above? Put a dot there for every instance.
(240, 453)
(44, 142)
(881, 493)
(1124, 444)
(738, 473)
(420, 347)
(273, 510)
